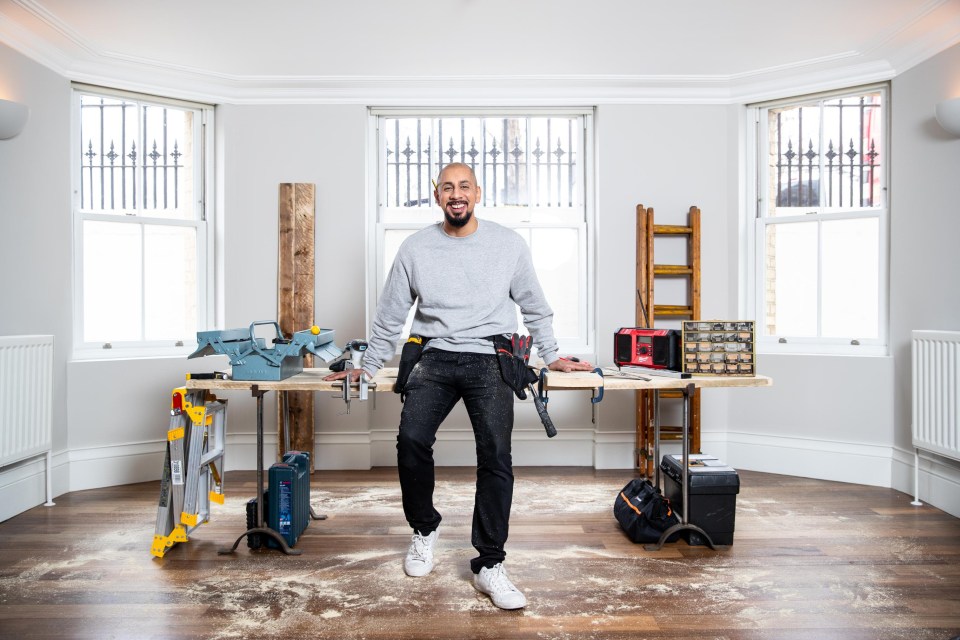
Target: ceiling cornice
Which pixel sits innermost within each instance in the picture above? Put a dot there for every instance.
(83, 63)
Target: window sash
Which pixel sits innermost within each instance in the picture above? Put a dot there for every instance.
(767, 217)
(523, 159)
(847, 164)
(188, 216)
(577, 342)
(524, 219)
(780, 340)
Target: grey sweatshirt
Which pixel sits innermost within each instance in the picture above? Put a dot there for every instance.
(466, 289)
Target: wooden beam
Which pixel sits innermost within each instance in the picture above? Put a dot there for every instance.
(295, 301)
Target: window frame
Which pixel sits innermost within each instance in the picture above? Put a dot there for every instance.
(755, 223)
(202, 222)
(585, 345)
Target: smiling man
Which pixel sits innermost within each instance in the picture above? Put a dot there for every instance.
(457, 194)
(467, 279)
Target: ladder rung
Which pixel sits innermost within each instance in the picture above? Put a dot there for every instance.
(671, 436)
(672, 310)
(671, 393)
(672, 229)
(672, 270)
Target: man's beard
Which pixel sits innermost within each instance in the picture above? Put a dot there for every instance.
(458, 222)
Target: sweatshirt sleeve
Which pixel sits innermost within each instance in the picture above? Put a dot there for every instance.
(537, 315)
(392, 310)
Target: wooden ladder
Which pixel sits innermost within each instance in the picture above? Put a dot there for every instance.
(648, 311)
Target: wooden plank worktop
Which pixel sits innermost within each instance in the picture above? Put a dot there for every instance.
(312, 380)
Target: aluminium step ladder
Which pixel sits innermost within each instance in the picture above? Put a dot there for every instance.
(648, 311)
(191, 479)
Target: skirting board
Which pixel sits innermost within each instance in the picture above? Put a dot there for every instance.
(454, 447)
(95, 467)
(22, 486)
(856, 463)
(823, 459)
(939, 479)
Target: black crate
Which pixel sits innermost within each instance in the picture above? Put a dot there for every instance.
(712, 489)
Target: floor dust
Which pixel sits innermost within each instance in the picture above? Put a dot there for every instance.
(599, 584)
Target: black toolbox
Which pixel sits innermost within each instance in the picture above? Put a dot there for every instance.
(712, 490)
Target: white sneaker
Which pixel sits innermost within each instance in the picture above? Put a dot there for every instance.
(495, 583)
(419, 560)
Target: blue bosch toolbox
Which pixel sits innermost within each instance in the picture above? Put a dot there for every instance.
(286, 502)
(300, 461)
(282, 508)
(712, 489)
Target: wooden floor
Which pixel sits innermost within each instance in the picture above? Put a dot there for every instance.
(810, 560)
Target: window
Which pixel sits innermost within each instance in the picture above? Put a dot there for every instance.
(534, 173)
(820, 233)
(140, 229)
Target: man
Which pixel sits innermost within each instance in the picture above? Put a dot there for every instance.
(466, 278)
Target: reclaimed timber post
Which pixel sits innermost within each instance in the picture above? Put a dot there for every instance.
(644, 318)
(295, 302)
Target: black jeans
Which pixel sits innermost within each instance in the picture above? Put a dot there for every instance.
(438, 381)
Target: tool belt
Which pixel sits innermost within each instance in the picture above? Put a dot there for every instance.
(512, 355)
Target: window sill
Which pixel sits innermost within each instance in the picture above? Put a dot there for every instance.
(131, 353)
(800, 349)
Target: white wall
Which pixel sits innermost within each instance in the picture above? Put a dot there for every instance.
(925, 262)
(669, 157)
(35, 242)
(842, 418)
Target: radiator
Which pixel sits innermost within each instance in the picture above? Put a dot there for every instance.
(26, 400)
(936, 395)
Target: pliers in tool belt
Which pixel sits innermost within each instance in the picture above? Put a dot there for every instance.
(521, 346)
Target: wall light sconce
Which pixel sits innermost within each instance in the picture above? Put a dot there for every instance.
(13, 117)
(948, 115)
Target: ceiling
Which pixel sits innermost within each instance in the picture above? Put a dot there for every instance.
(461, 51)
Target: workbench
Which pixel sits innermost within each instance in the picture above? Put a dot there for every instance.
(611, 380)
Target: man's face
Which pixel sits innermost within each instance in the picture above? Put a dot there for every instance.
(457, 194)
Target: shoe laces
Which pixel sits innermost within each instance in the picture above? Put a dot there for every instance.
(498, 580)
(420, 548)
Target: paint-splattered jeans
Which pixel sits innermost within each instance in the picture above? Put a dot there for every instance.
(438, 381)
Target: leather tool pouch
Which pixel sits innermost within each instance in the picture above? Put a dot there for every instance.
(514, 370)
(409, 356)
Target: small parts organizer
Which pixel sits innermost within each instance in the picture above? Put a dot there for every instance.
(719, 347)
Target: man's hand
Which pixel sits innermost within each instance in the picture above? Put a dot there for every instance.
(352, 374)
(570, 364)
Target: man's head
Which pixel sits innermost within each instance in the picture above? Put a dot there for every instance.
(457, 193)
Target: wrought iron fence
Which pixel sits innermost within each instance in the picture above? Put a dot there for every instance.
(847, 173)
(133, 155)
(519, 161)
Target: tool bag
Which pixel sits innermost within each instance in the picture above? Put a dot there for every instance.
(513, 354)
(643, 512)
(409, 356)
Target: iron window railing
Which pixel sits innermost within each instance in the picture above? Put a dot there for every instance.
(133, 155)
(828, 154)
(519, 161)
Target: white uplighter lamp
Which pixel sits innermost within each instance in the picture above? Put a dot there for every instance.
(13, 117)
(948, 115)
